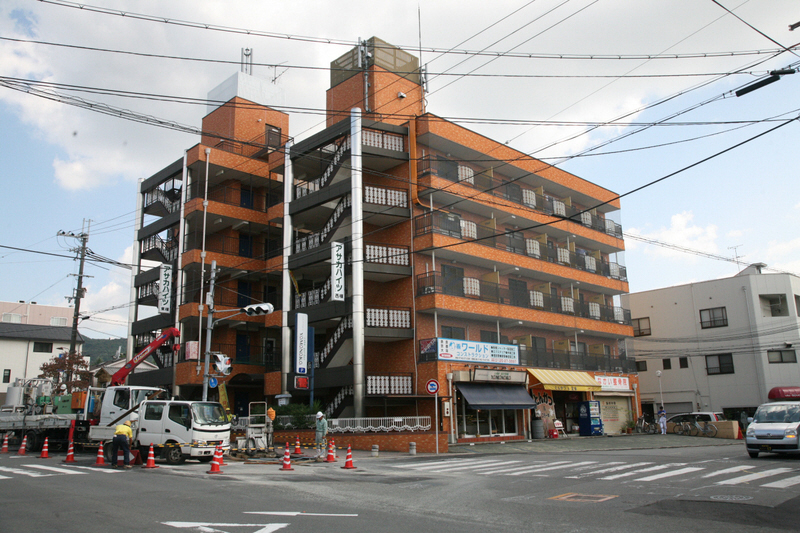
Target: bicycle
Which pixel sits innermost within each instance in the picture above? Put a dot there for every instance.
(682, 428)
(643, 426)
(707, 430)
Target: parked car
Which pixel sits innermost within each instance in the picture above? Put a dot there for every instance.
(700, 416)
(773, 429)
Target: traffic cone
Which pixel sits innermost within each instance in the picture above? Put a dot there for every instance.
(24, 446)
(287, 460)
(70, 454)
(297, 449)
(221, 456)
(101, 460)
(348, 464)
(215, 462)
(331, 454)
(44, 454)
(5, 445)
(151, 459)
(740, 436)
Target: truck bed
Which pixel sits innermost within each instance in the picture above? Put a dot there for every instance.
(14, 421)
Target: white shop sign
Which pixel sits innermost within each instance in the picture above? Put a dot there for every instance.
(478, 352)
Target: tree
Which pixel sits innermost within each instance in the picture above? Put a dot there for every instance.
(71, 370)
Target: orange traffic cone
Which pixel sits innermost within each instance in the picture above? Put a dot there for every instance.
(348, 464)
(297, 449)
(101, 460)
(70, 454)
(151, 459)
(215, 462)
(740, 436)
(5, 445)
(44, 454)
(331, 454)
(24, 446)
(221, 456)
(287, 460)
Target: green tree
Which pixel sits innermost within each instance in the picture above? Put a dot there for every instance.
(71, 370)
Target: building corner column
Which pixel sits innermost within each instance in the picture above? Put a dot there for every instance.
(357, 239)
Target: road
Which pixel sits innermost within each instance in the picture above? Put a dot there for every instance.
(715, 488)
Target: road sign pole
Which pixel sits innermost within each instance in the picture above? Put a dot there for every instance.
(436, 415)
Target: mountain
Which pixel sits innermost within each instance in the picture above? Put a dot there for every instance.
(102, 349)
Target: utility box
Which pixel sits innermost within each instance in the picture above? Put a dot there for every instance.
(78, 399)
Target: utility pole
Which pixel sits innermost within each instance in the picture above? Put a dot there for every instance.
(84, 239)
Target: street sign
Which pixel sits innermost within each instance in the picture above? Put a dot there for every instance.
(212, 382)
(432, 386)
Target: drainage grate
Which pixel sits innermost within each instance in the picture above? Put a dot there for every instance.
(731, 498)
(573, 497)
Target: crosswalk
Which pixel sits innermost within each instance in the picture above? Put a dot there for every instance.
(41, 470)
(641, 471)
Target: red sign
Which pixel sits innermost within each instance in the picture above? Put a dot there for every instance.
(432, 386)
(301, 382)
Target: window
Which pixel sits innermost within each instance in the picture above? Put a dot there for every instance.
(641, 366)
(489, 336)
(122, 398)
(781, 356)
(713, 318)
(58, 321)
(179, 413)
(7, 375)
(579, 348)
(774, 305)
(719, 364)
(683, 362)
(13, 318)
(154, 411)
(452, 332)
(641, 327)
(43, 347)
(667, 363)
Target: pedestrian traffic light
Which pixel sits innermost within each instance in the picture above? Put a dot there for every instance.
(258, 309)
(222, 363)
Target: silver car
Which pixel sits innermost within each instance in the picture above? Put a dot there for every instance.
(773, 429)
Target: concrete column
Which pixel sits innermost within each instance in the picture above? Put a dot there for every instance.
(135, 257)
(357, 235)
(288, 246)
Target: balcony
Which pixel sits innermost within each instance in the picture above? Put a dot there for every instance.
(464, 287)
(242, 246)
(391, 384)
(235, 196)
(530, 198)
(452, 225)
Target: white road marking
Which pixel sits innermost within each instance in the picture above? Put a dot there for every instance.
(5, 477)
(438, 464)
(612, 469)
(680, 472)
(101, 470)
(493, 465)
(297, 513)
(536, 468)
(728, 471)
(23, 472)
(553, 466)
(753, 477)
(788, 482)
(636, 472)
(206, 526)
(54, 469)
(474, 466)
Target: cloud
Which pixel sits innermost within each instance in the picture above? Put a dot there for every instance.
(681, 232)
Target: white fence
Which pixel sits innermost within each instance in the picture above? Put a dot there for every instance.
(380, 424)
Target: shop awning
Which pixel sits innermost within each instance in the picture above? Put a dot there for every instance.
(488, 396)
(567, 380)
(784, 393)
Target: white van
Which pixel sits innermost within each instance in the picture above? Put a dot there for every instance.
(773, 429)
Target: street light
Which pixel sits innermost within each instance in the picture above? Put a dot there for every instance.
(658, 374)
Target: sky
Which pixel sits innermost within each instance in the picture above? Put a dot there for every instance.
(619, 93)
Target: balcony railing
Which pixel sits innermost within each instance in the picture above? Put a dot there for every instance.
(434, 282)
(382, 139)
(386, 254)
(236, 196)
(382, 424)
(453, 171)
(454, 226)
(270, 139)
(256, 248)
(167, 248)
(397, 383)
(159, 196)
(388, 196)
(388, 317)
(565, 360)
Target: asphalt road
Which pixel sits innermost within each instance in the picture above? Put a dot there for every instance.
(664, 486)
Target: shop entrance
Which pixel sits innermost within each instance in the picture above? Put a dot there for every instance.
(566, 407)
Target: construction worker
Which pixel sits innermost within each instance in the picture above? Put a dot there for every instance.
(123, 437)
(322, 432)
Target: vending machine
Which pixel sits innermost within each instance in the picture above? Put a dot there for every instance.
(589, 421)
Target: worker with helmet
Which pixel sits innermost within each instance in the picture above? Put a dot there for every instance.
(123, 437)
(322, 432)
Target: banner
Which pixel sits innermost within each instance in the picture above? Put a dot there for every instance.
(337, 272)
(301, 343)
(478, 352)
(223, 398)
(165, 289)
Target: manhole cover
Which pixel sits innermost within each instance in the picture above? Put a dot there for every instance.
(572, 497)
(731, 498)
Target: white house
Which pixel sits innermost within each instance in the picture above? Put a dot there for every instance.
(25, 347)
(718, 345)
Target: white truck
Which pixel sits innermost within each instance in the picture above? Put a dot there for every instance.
(179, 429)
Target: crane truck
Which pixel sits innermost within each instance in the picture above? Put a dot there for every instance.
(180, 429)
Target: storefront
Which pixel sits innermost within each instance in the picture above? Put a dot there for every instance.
(558, 394)
(491, 403)
(616, 398)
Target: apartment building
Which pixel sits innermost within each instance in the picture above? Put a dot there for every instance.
(413, 248)
(719, 345)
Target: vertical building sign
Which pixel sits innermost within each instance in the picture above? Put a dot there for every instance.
(301, 343)
(337, 271)
(165, 289)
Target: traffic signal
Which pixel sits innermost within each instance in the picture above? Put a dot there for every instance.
(258, 309)
(222, 363)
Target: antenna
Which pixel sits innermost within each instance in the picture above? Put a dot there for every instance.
(736, 254)
(247, 61)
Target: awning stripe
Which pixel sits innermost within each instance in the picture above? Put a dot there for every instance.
(567, 380)
(489, 396)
